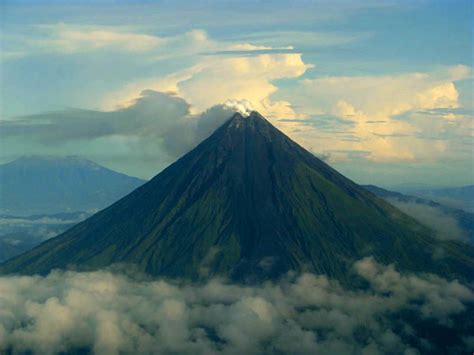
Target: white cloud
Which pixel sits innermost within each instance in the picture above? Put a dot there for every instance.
(373, 104)
(381, 97)
(252, 47)
(216, 80)
(301, 39)
(243, 78)
(446, 227)
(113, 313)
(154, 126)
(244, 107)
(212, 78)
(206, 77)
(68, 38)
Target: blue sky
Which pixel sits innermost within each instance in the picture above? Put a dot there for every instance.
(382, 90)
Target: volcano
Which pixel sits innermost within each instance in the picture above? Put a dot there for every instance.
(248, 203)
(38, 184)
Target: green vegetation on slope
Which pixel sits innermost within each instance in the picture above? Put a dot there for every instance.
(248, 203)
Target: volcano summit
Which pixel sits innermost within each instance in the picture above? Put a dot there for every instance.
(248, 203)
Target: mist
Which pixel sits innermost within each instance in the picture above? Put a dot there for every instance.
(109, 313)
(446, 227)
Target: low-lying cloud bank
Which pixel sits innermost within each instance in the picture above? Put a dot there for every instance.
(446, 226)
(110, 314)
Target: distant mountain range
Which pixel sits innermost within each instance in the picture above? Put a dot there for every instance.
(47, 184)
(456, 197)
(248, 203)
(447, 222)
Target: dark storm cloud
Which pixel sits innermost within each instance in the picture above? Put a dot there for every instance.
(113, 313)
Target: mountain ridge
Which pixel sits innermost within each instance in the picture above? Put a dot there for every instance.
(54, 184)
(247, 203)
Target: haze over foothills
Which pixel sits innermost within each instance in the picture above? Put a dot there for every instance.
(380, 90)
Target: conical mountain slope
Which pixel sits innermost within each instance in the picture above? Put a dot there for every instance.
(247, 202)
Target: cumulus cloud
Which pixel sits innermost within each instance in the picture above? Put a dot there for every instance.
(156, 123)
(210, 72)
(380, 118)
(387, 95)
(384, 110)
(244, 78)
(375, 104)
(216, 80)
(111, 313)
